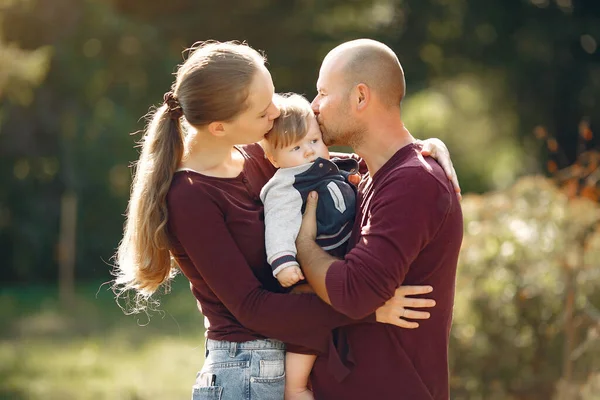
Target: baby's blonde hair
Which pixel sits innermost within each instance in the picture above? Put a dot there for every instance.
(293, 122)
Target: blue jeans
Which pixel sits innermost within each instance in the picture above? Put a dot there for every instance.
(252, 370)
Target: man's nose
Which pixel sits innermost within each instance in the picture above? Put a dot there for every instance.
(315, 105)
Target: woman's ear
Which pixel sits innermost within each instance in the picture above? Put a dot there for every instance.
(217, 128)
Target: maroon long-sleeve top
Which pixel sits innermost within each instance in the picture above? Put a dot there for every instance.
(408, 231)
(217, 232)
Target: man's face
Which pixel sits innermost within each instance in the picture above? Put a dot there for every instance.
(332, 105)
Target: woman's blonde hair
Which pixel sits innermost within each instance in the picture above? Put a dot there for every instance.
(293, 122)
(211, 85)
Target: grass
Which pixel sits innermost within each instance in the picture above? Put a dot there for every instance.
(94, 351)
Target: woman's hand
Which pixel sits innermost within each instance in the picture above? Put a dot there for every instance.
(437, 149)
(395, 310)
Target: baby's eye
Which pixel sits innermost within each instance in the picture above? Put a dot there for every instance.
(314, 141)
(295, 148)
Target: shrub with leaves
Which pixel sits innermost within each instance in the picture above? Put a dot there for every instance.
(526, 295)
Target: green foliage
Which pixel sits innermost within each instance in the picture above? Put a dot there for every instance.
(467, 114)
(21, 70)
(521, 247)
(77, 77)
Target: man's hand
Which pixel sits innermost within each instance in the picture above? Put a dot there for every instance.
(314, 260)
(394, 311)
(289, 276)
(437, 149)
(308, 229)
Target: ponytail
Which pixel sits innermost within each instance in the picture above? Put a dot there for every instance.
(212, 85)
(143, 260)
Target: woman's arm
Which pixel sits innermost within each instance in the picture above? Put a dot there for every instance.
(437, 149)
(199, 225)
(395, 311)
(432, 147)
(303, 319)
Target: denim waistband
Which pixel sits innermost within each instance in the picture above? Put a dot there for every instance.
(251, 345)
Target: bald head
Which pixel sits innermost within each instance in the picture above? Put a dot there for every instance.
(372, 63)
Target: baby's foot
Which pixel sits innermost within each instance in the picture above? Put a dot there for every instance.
(299, 394)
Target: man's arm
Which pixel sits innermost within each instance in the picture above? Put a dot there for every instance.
(404, 216)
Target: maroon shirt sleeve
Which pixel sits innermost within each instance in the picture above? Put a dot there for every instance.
(198, 223)
(410, 206)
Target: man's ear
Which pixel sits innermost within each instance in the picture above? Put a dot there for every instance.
(362, 96)
(217, 128)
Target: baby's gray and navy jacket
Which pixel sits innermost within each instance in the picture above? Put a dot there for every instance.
(284, 199)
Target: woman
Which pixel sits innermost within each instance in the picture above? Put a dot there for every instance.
(196, 197)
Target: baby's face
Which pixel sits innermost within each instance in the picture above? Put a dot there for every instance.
(304, 151)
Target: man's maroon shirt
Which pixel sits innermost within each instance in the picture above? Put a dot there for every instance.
(408, 231)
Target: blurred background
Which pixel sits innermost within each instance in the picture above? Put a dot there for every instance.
(511, 86)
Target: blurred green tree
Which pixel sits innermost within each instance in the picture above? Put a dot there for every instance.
(479, 75)
(527, 295)
(76, 77)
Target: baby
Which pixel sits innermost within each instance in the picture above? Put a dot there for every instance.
(295, 146)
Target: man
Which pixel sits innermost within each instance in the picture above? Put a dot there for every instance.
(408, 231)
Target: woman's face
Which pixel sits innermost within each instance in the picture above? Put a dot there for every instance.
(251, 125)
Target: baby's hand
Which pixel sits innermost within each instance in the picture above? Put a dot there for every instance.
(354, 179)
(290, 275)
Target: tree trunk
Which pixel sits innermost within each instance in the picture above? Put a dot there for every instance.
(67, 248)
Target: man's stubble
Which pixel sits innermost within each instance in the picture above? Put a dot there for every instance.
(348, 133)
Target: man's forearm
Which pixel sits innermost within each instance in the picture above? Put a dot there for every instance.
(315, 263)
